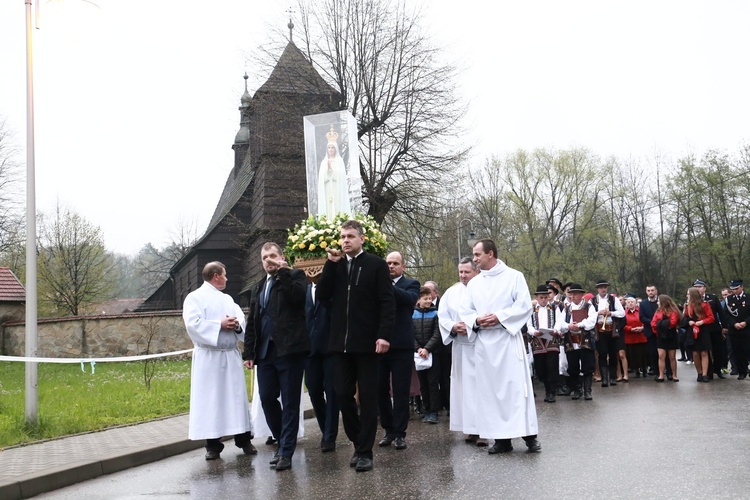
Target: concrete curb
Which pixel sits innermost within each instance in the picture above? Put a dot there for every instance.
(29, 485)
(52, 479)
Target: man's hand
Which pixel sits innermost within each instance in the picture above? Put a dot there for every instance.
(334, 254)
(248, 364)
(603, 312)
(229, 323)
(460, 328)
(488, 321)
(573, 327)
(381, 345)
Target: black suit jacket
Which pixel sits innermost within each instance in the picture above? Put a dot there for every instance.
(406, 294)
(362, 304)
(286, 305)
(318, 319)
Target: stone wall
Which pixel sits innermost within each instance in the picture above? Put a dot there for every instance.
(100, 336)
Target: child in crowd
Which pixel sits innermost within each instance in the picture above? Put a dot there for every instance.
(427, 341)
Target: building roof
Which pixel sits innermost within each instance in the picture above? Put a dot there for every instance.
(11, 290)
(295, 74)
(118, 306)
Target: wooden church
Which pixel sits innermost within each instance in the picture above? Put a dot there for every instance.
(266, 191)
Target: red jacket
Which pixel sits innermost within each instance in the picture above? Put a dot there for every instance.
(659, 315)
(633, 320)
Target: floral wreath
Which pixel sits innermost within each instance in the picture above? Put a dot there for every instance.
(310, 238)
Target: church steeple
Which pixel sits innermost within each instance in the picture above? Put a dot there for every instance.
(242, 139)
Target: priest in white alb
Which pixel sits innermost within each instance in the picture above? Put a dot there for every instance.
(495, 307)
(218, 394)
(463, 395)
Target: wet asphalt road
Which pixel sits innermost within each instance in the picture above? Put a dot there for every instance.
(636, 440)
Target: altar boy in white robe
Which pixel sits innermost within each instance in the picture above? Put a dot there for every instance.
(495, 307)
(218, 394)
(463, 398)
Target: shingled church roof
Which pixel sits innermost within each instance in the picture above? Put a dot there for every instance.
(295, 74)
(11, 290)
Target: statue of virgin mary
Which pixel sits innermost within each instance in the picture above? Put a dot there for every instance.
(333, 185)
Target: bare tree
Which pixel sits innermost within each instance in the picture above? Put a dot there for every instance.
(152, 264)
(11, 193)
(73, 265)
(392, 79)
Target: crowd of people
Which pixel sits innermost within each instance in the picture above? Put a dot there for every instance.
(628, 336)
(363, 337)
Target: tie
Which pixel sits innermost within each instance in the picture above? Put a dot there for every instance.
(269, 284)
(349, 265)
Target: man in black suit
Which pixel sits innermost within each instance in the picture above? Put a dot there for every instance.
(276, 341)
(738, 325)
(396, 364)
(362, 317)
(319, 367)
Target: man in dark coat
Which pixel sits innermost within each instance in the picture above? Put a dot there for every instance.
(397, 364)
(276, 341)
(319, 367)
(359, 287)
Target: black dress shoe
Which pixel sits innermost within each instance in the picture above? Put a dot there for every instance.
(275, 459)
(386, 441)
(284, 463)
(249, 449)
(364, 464)
(400, 443)
(353, 461)
(500, 446)
(327, 446)
(270, 441)
(720, 375)
(742, 376)
(212, 454)
(533, 445)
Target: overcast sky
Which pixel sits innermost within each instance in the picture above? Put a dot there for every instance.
(136, 101)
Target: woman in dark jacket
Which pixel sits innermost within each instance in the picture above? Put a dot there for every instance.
(664, 324)
(427, 341)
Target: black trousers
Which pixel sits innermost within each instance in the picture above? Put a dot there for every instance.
(718, 351)
(240, 440)
(579, 361)
(606, 346)
(547, 368)
(358, 370)
(319, 377)
(395, 371)
(281, 376)
(653, 353)
(429, 386)
(740, 346)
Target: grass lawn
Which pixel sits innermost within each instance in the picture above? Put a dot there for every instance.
(71, 401)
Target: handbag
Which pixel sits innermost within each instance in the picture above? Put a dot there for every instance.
(421, 363)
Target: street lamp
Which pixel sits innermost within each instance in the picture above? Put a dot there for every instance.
(472, 237)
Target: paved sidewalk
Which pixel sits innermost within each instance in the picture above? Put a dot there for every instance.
(30, 470)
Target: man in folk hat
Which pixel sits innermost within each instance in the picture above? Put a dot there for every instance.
(578, 322)
(610, 315)
(738, 325)
(556, 285)
(718, 343)
(545, 342)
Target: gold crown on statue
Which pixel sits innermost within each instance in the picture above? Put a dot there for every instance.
(332, 136)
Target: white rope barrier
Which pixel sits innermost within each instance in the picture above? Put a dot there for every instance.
(97, 360)
(92, 361)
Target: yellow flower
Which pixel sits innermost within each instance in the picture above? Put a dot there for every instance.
(322, 238)
(312, 247)
(323, 244)
(301, 246)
